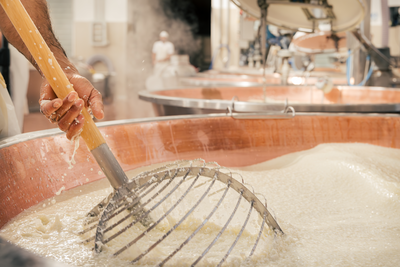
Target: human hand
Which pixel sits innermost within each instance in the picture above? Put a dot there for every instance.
(67, 112)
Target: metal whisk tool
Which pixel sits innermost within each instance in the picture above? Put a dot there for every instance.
(184, 208)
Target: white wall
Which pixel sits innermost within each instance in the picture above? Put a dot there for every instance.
(83, 10)
(62, 21)
(116, 16)
(115, 10)
(394, 2)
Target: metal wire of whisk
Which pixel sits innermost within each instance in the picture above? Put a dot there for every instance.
(134, 206)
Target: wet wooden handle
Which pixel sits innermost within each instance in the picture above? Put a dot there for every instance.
(48, 64)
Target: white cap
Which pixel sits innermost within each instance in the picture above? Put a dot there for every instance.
(164, 34)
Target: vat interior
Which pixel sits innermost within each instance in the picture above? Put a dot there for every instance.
(294, 94)
(37, 169)
(319, 41)
(269, 78)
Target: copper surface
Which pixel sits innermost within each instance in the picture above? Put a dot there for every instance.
(319, 42)
(269, 79)
(35, 170)
(295, 94)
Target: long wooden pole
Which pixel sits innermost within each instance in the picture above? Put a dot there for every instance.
(48, 64)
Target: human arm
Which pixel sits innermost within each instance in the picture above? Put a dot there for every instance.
(65, 112)
(170, 51)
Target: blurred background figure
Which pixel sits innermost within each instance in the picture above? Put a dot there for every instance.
(162, 52)
(19, 79)
(15, 68)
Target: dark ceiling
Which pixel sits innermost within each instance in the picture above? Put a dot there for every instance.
(196, 13)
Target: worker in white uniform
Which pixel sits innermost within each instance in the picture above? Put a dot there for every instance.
(162, 52)
(66, 113)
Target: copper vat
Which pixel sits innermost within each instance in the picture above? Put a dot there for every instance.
(212, 79)
(346, 99)
(31, 165)
(321, 42)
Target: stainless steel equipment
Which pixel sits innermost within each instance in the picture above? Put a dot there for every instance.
(343, 15)
(301, 98)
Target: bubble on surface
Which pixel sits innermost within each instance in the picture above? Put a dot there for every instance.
(60, 190)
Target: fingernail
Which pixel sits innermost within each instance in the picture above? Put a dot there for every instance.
(57, 105)
(78, 103)
(80, 118)
(72, 97)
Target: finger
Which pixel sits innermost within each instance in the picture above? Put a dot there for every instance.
(46, 92)
(48, 107)
(66, 121)
(96, 104)
(89, 94)
(76, 127)
(68, 101)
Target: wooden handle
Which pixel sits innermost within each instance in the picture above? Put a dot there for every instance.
(48, 64)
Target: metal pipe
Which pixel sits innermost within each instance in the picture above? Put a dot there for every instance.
(220, 21)
(358, 58)
(110, 166)
(301, 5)
(385, 23)
(228, 24)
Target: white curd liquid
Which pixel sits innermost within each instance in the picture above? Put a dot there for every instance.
(338, 205)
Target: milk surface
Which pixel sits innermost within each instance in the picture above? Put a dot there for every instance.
(338, 205)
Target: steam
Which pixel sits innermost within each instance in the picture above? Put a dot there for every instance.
(147, 19)
(153, 16)
(180, 20)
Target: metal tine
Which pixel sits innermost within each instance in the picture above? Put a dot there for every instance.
(96, 218)
(252, 188)
(241, 177)
(200, 185)
(123, 202)
(135, 211)
(163, 168)
(238, 236)
(198, 228)
(216, 192)
(138, 190)
(162, 218)
(150, 210)
(191, 164)
(179, 223)
(88, 230)
(137, 199)
(222, 230)
(106, 212)
(217, 167)
(259, 235)
(155, 172)
(219, 170)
